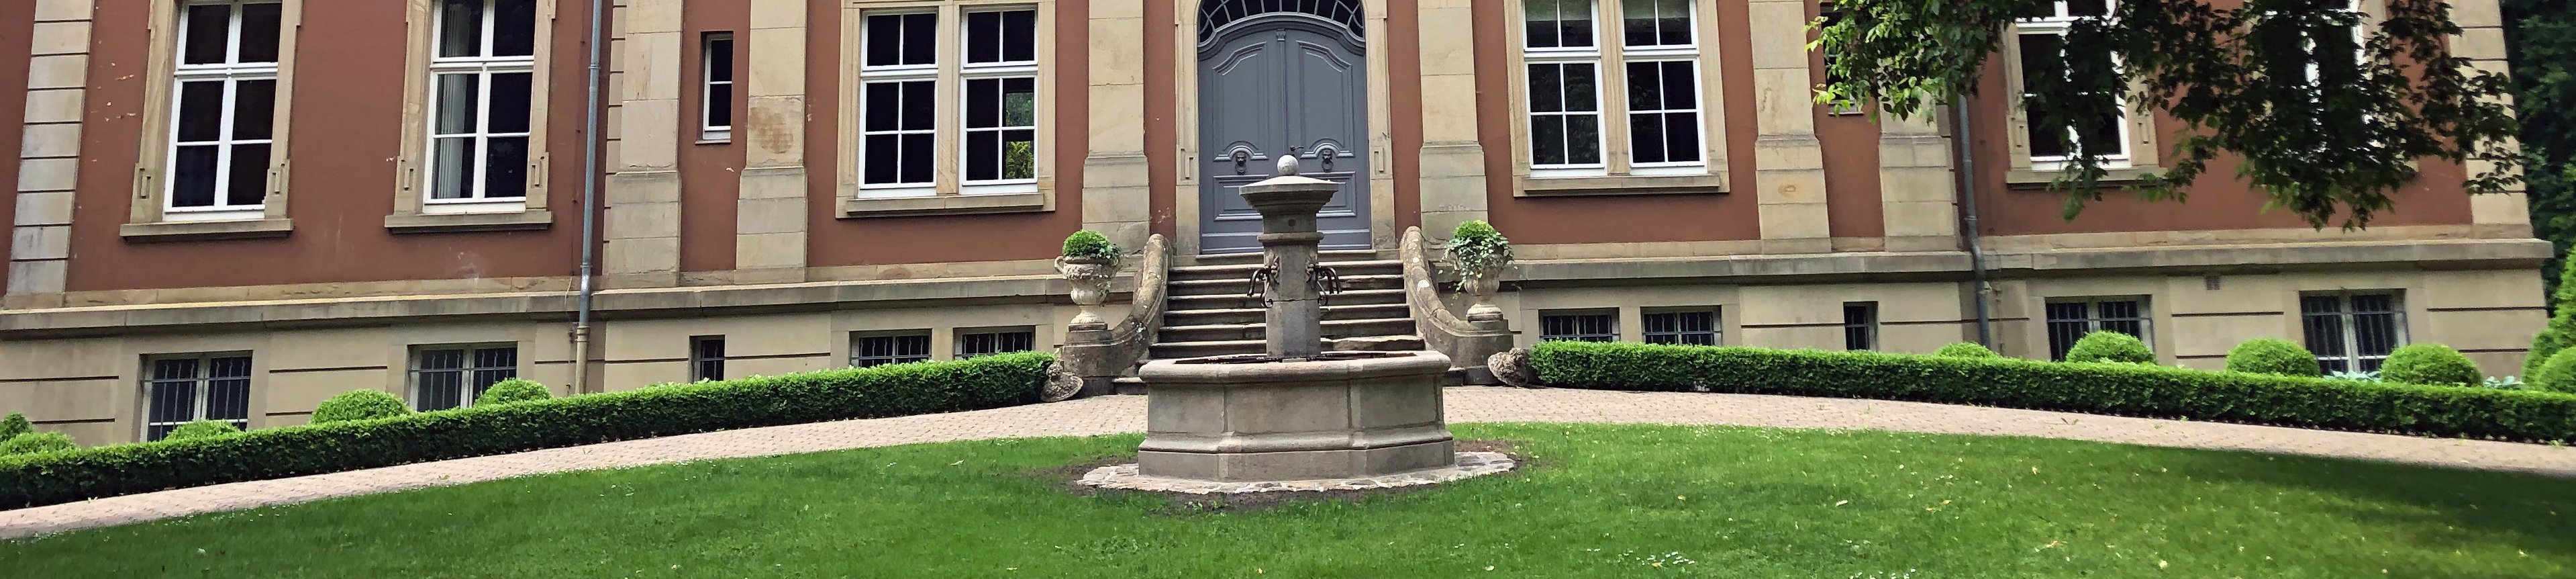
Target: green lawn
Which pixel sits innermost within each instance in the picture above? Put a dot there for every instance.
(1602, 501)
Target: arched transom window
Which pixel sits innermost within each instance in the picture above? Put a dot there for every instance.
(1215, 14)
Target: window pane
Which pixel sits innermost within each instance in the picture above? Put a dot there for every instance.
(439, 389)
(254, 109)
(228, 390)
(442, 359)
(209, 30)
(175, 369)
(1020, 35)
(920, 39)
(174, 401)
(201, 111)
(720, 105)
(1674, 24)
(1547, 140)
(460, 28)
(510, 103)
(2374, 303)
(883, 106)
(983, 155)
(1540, 26)
(249, 179)
(879, 155)
(916, 158)
(2118, 309)
(983, 103)
(458, 111)
(192, 176)
(259, 32)
(2376, 334)
(1579, 91)
(984, 37)
(2087, 7)
(1574, 23)
(1546, 88)
(884, 40)
(1019, 154)
(514, 27)
(1645, 86)
(452, 161)
(917, 108)
(2325, 336)
(1681, 137)
(506, 168)
(1020, 102)
(1646, 137)
(1657, 22)
(719, 60)
(1583, 139)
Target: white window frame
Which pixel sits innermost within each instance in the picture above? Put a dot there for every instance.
(1001, 71)
(483, 68)
(2061, 20)
(202, 400)
(708, 129)
(465, 372)
(231, 73)
(2351, 335)
(1558, 56)
(1660, 53)
(891, 74)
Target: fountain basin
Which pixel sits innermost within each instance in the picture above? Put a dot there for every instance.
(1347, 416)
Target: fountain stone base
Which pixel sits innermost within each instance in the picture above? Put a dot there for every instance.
(1344, 415)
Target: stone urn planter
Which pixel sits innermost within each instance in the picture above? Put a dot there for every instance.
(1090, 277)
(1480, 286)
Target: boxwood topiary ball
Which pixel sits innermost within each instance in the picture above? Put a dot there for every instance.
(2273, 356)
(359, 405)
(201, 429)
(15, 424)
(2430, 364)
(35, 442)
(2110, 346)
(2558, 374)
(1966, 350)
(513, 390)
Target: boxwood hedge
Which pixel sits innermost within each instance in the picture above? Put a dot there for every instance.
(2118, 389)
(896, 390)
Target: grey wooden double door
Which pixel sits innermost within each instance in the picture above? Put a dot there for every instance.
(1282, 83)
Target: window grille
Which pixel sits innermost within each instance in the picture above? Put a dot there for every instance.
(1692, 328)
(2069, 320)
(192, 387)
(1586, 327)
(2352, 332)
(444, 377)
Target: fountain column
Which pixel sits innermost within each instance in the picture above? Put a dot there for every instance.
(1288, 204)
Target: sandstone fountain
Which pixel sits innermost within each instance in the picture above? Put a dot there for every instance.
(1297, 417)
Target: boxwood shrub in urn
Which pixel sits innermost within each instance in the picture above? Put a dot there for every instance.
(1480, 253)
(1090, 262)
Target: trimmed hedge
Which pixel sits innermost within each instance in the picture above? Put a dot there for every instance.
(201, 429)
(1966, 350)
(2558, 374)
(2430, 364)
(513, 390)
(36, 443)
(882, 391)
(2273, 356)
(368, 404)
(15, 424)
(2132, 390)
(2110, 346)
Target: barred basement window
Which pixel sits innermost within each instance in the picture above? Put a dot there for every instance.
(444, 377)
(2352, 331)
(706, 358)
(883, 349)
(2070, 319)
(715, 103)
(986, 343)
(191, 387)
(481, 74)
(1579, 327)
(1860, 326)
(224, 114)
(1690, 328)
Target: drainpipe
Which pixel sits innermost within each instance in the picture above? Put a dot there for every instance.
(1973, 235)
(591, 143)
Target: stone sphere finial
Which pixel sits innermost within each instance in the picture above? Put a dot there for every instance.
(1287, 164)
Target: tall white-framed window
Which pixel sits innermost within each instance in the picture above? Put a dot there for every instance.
(482, 64)
(444, 377)
(223, 110)
(2352, 331)
(2040, 37)
(898, 104)
(715, 96)
(186, 388)
(1562, 53)
(1660, 48)
(1000, 125)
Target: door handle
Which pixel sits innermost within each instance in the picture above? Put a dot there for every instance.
(1240, 158)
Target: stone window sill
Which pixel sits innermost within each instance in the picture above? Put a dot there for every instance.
(201, 230)
(946, 205)
(2029, 179)
(468, 222)
(1620, 185)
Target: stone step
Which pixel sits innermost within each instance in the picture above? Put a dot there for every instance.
(1253, 315)
(1199, 287)
(1254, 258)
(1240, 301)
(1177, 350)
(1243, 272)
(1256, 331)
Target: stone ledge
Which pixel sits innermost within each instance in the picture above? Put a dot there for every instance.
(2027, 180)
(203, 230)
(468, 222)
(546, 305)
(946, 205)
(1953, 265)
(1621, 185)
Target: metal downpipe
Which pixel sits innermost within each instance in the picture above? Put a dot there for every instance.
(1971, 233)
(591, 143)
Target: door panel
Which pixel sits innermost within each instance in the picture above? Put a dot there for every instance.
(1281, 86)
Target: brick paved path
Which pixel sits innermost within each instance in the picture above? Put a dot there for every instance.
(1127, 414)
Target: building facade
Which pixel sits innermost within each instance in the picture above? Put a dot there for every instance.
(233, 209)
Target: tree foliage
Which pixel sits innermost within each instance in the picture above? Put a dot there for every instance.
(2541, 40)
(2322, 134)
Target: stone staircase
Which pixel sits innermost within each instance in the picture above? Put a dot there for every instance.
(1211, 313)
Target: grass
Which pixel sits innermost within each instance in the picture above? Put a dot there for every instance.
(1602, 501)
